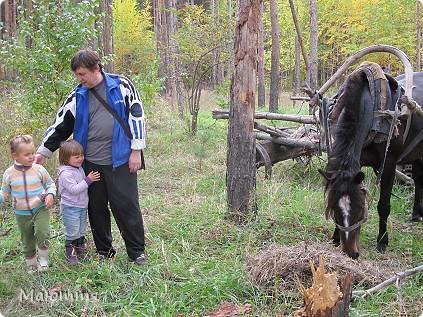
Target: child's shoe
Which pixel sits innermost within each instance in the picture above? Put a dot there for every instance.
(42, 260)
(31, 264)
(81, 248)
(70, 254)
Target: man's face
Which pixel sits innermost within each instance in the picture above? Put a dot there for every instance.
(87, 77)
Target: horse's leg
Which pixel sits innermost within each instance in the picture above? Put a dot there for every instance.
(384, 204)
(336, 238)
(417, 214)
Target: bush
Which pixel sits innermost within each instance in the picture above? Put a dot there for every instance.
(47, 38)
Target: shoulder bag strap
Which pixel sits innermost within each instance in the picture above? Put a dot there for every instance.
(119, 119)
(113, 113)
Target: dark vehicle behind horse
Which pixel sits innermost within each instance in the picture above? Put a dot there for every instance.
(370, 131)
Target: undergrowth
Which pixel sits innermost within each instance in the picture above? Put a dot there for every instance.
(196, 256)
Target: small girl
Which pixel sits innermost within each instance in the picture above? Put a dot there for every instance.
(32, 191)
(73, 187)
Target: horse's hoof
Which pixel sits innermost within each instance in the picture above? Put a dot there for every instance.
(381, 248)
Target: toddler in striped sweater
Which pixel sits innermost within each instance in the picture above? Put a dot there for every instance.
(32, 191)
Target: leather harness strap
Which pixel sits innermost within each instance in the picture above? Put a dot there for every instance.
(354, 226)
(411, 146)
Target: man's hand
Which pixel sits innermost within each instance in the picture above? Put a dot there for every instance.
(49, 200)
(135, 161)
(40, 159)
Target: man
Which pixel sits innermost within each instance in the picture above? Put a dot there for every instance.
(109, 148)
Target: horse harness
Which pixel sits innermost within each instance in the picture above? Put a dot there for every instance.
(382, 129)
(355, 225)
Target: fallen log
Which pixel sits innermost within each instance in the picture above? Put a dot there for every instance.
(307, 129)
(271, 130)
(300, 98)
(308, 119)
(305, 144)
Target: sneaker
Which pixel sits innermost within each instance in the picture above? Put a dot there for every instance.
(70, 254)
(141, 259)
(42, 268)
(31, 264)
(106, 256)
(42, 260)
(81, 249)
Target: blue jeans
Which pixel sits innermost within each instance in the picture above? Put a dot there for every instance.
(75, 221)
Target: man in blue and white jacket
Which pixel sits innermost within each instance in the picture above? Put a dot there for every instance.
(108, 149)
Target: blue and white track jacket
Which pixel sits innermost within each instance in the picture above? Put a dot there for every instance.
(73, 116)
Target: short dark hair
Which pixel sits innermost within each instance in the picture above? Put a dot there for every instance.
(85, 58)
(67, 149)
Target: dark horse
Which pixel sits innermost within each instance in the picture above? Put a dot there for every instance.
(356, 144)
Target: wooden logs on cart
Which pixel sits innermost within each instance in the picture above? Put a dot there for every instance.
(278, 144)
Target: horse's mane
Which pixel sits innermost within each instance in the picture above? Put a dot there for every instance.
(344, 160)
(347, 134)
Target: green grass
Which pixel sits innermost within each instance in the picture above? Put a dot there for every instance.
(197, 258)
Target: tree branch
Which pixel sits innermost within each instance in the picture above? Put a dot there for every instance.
(6, 232)
(394, 279)
(306, 119)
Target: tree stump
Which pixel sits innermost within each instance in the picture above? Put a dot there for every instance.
(325, 298)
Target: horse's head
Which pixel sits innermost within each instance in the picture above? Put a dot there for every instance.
(346, 204)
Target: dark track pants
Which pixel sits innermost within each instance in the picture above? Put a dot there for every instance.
(119, 188)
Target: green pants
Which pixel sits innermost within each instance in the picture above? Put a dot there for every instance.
(35, 231)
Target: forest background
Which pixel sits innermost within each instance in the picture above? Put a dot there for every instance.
(180, 56)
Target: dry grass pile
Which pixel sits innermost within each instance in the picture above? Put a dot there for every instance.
(279, 268)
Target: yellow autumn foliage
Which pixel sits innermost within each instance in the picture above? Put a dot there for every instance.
(133, 37)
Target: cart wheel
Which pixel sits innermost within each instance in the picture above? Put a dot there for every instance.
(266, 159)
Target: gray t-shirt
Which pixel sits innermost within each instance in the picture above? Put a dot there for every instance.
(100, 129)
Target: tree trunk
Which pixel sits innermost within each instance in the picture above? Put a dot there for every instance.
(298, 30)
(160, 32)
(107, 41)
(241, 168)
(10, 25)
(176, 94)
(10, 18)
(2, 18)
(275, 67)
(313, 46)
(229, 63)
(418, 38)
(219, 70)
(261, 89)
(215, 54)
(297, 70)
(28, 13)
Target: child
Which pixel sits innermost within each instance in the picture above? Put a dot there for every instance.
(32, 191)
(73, 187)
